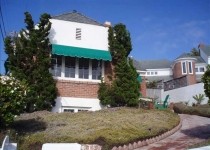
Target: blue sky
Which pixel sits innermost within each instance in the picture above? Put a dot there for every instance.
(160, 29)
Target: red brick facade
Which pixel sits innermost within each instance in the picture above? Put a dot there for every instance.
(67, 88)
(177, 73)
(143, 87)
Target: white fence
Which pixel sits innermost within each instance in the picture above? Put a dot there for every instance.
(184, 94)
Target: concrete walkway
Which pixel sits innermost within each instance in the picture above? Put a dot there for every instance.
(194, 129)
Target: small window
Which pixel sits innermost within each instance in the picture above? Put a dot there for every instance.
(82, 110)
(78, 33)
(152, 73)
(184, 71)
(83, 68)
(190, 67)
(68, 110)
(96, 69)
(196, 69)
(70, 63)
(148, 73)
(56, 64)
(156, 73)
(201, 69)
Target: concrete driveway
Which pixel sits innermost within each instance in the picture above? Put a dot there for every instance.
(194, 129)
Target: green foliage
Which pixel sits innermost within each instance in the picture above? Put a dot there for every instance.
(194, 52)
(181, 108)
(104, 93)
(199, 98)
(124, 90)
(12, 96)
(29, 60)
(152, 85)
(206, 81)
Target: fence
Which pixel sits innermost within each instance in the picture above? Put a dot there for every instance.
(183, 94)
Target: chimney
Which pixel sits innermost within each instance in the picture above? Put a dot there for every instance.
(201, 45)
(107, 24)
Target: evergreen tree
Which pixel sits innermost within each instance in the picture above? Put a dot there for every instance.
(29, 60)
(124, 90)
(206, 81)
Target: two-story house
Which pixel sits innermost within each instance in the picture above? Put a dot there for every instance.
(80, 58)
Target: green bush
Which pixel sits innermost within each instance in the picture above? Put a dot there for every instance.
(200, 110)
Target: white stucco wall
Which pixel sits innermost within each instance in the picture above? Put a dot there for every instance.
(92, 36)
(183, 94)
(76, 104)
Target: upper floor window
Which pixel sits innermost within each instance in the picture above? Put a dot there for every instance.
(77, 68)
(190, 67)
(196, 69)
(202, 69)
(70, 64)
(56, 65)
(78, 33)
(83, 68)
(96, 69)
(184, 71)
(148, 73)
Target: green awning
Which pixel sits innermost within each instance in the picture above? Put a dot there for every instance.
(81, 52)
(139, 79)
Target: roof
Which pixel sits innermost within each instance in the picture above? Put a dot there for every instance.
(76, 17)
(199, 59)
(153, 64)
(205, 49)
(158, 78)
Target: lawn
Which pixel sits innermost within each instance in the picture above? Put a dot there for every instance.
(108, 127)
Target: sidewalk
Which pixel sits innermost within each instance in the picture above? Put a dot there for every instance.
(194, 129)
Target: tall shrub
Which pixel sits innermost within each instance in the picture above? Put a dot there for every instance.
(29, 60)
(206, 81)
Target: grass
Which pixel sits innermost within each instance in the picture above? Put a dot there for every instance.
(108, 127)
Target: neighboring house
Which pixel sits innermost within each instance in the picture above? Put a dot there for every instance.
(80, 57)
(183, 71)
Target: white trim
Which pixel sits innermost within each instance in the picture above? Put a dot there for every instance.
(77, 69)
(63, 67)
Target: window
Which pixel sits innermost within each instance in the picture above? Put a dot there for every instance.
(190, 67)
(68, 110)
(56, 64)
(70, 64)
(96, 69)
(152, 73)
(83, 68)
(76, 68)
(201, 69)
(196, 69)
(156, 73)
(184, 71)
(78, 33)
(148, 73)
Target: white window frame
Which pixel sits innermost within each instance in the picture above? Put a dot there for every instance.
(77, 72)
(185, 64)
(189, 63)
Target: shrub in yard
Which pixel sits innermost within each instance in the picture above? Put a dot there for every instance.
(181, 108)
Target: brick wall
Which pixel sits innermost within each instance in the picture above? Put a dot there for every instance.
(177, 70)
(67, 88)
(143, 87)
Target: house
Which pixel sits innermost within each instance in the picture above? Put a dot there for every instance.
(80, 57)
(183, 71)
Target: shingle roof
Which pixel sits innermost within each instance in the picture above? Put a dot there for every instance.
(154, 64)
(205, 49)
(199, 59)
(76, 17)
(184, 55)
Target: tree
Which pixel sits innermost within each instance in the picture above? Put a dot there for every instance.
(12, 99)
(194, 52)
(29, 60)
(124, 90)
(206, 81)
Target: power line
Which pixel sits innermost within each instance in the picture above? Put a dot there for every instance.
(2, 20)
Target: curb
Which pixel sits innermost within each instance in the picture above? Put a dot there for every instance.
(149, 141)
